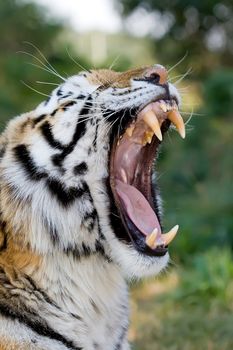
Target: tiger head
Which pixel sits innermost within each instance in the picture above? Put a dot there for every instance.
(78, 173)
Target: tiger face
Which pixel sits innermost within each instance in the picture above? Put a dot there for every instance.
(78, 174)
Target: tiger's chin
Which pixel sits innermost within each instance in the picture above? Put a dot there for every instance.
(136, 209)
(135, 265)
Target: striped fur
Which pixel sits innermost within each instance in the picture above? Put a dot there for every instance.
(63, 270)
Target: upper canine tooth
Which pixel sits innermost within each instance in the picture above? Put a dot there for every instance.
(163, 106)
(151, 120)
(169, 236)
(151, 238)
(175, 117)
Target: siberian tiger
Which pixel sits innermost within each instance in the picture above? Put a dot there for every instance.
(80, 209)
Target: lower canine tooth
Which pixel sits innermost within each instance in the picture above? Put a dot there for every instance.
(168, 237)
(151, 120)
(175, 117)
(124, 176)
(163, 106)
(151, 239)
(174, 105)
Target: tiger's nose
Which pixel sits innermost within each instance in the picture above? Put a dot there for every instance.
(157, 74)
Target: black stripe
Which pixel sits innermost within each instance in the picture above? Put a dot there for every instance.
(66, 196)
(89, 220)
(91, 215)
(47, 101)
(66, 95)
(129, 116)
(59, 92)
(85, 251)
(69, 104)
(121, 338)
(78, 252)
(128, 91)
(80, 130)
(95, 138)
(54, 112)
(52, 231)
(80, 169)
(80, 97)
(39, 119)
(23, 156)
(2, 151)
(3, 245)
(100, 249)
(40, 293)
(57, 159)
(38, 325)
(47, 133)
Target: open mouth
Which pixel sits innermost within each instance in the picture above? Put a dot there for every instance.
(132, 163)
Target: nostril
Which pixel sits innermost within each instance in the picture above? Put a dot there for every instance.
(153, 78)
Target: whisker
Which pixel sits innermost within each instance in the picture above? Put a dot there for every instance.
(198, 114)
(46, 83)
(175, 77)
(114, 61)
(189, 119)
(30, 87)
(184, 76)
(76, 62)
(43, 56)
(44, 67)
(180, 61)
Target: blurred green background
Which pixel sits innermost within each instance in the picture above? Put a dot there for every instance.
(190, 306)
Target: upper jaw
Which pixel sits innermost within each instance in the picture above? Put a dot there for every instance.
(156, 113)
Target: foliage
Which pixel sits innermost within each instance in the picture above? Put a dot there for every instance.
(203, 29)
(190, 308)
(198, 176)
(211, 277)
(23, 25)
(218, 91)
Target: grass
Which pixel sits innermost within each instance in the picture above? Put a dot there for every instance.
(190, 308)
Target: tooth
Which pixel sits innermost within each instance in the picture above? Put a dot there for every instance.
(147, 137)
(129, 130)
(151, 238)
(151, 120)
(174, 105)
(175, 117)
(124, 176)
(168, 237)
(163, 106)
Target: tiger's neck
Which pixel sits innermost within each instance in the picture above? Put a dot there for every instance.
(75, 283)
(69, 294)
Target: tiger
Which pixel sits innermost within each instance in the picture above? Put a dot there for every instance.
(80, 208)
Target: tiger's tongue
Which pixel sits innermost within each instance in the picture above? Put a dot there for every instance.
(137, 208)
